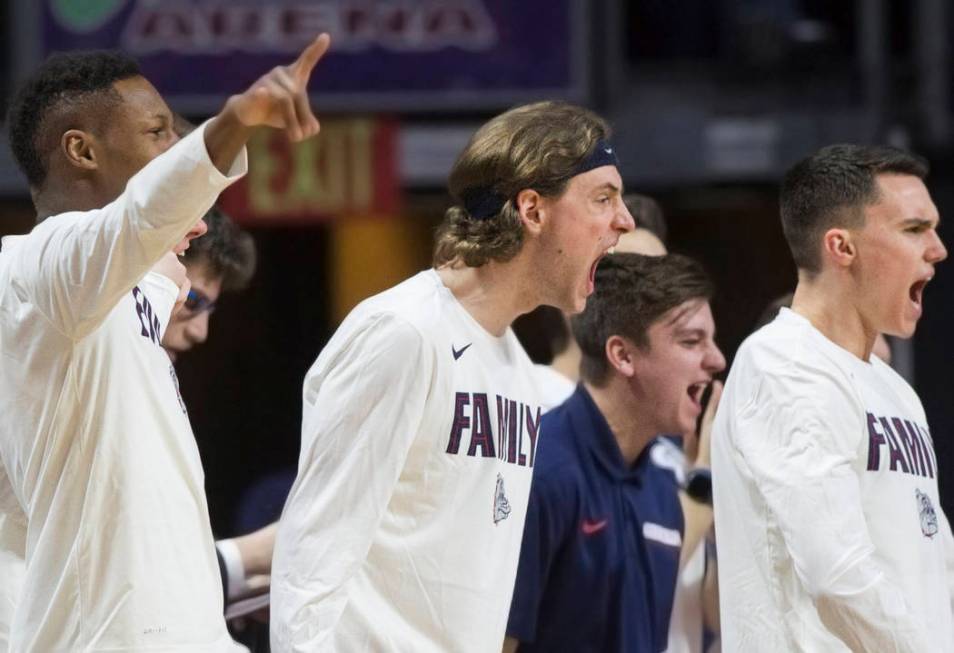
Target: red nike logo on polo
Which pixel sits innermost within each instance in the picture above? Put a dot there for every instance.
(590, 527)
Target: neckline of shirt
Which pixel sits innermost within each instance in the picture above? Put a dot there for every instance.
(788, 315)
(470, 319)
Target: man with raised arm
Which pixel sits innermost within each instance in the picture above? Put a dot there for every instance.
(100, 481)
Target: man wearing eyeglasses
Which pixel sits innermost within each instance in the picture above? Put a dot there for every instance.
(222, 259)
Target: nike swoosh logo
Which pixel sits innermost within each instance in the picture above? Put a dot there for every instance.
(459, 352)
(591, 527)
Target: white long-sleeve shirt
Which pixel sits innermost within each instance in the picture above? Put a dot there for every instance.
(12, 546)
(829, 526)
(402, 531)
(95, 444)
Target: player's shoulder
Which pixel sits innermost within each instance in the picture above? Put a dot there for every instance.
(378, 325)
(419, 301)
(790, 343)
(791, 361)
(11, 246)
(559, 456)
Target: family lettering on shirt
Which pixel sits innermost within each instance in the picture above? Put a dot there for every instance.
(515, 440)
(900, 445)
(147, 317)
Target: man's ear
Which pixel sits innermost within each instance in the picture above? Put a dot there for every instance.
(620, 354)
(78, 148)
(529, 204)
(839, 247)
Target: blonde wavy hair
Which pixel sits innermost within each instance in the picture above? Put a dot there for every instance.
(536, 146)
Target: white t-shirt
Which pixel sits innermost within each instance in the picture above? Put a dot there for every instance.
(554, 388)
(96, 448)
(403, 528)
(827, 512)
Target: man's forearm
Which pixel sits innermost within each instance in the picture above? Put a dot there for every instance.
(225, 136)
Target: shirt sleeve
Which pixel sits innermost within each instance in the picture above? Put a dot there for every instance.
(363, 408)
(74, 267)
(543, 535)
(799, 437)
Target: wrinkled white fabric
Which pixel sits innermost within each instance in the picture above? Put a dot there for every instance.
(96, 448)
(402, 531)
(829, 526)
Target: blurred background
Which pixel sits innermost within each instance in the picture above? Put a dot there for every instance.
(710, 100)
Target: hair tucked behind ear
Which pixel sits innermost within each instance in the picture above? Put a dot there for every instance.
(536, 146)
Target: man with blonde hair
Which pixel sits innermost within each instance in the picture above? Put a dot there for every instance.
(421, 415)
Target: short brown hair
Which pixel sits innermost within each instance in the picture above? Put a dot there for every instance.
(536, 146)
(633, 292)
(831, 188)
(225, 249)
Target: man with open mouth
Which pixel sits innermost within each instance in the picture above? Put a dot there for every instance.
(830, 529)
(605, 525)
(422, 414)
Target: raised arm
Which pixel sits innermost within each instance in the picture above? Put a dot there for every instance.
(363, 406)
(278, 99)
(75, 266)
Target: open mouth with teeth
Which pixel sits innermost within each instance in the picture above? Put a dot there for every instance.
(695, 391)
(916, 292)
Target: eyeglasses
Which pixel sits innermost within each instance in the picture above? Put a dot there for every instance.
(198, 302)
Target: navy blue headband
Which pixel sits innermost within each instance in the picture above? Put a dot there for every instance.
(484, 202)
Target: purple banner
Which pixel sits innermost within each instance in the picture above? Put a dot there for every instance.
(386, 54)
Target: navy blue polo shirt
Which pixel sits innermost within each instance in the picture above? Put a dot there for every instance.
(601, 544)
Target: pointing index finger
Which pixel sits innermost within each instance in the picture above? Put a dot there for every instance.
(305, 63)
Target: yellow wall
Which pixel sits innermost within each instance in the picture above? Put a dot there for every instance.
(370, 254)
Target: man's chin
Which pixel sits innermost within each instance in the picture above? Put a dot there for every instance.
(578, 307)
(904, 329)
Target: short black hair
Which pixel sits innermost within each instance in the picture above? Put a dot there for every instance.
(632, 293)
(831, 188)
(225, 249)
(64, 84)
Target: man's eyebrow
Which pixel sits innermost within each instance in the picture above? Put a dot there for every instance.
(920, 222)
(161, 116)
(608, 186)
(683, 332)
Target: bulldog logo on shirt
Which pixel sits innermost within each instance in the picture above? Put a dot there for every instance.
(501, 505)
(927, 514)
